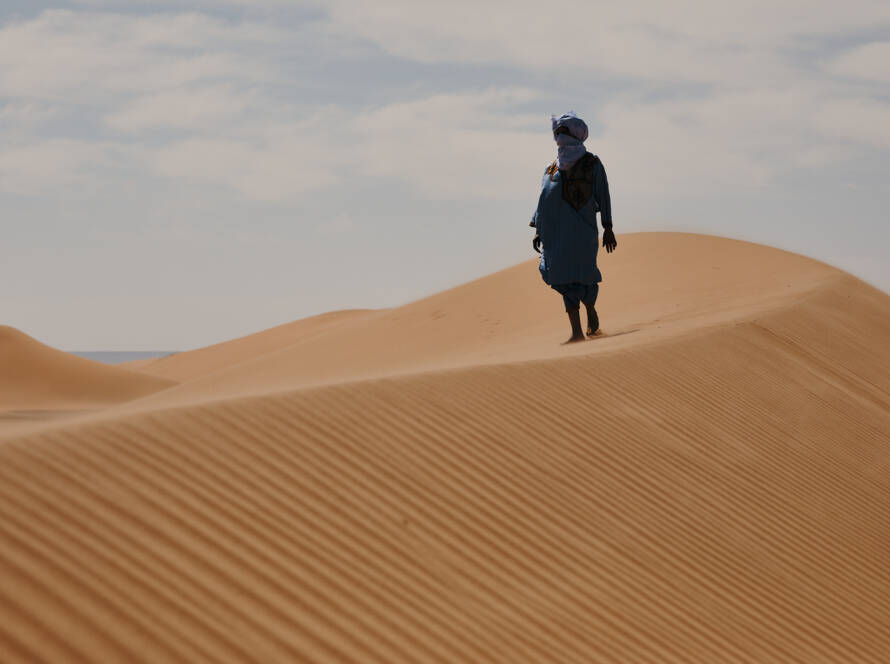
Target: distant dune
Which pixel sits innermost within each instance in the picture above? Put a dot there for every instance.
(444, 482)
(35, 376)
(123, 358)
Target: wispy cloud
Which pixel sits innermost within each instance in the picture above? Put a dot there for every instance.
(212, 99)
(865, 121)
(198, 108)
(92, 58)
(870, 62)
(46, 167)
(454, 146)
(688, 40)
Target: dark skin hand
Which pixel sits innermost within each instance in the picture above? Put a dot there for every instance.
(609, 241)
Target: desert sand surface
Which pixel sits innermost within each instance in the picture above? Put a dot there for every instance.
(658, 286)
(180, 367)
(708, 481)
(38, 381)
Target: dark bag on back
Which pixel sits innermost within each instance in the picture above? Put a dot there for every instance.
(577, 182)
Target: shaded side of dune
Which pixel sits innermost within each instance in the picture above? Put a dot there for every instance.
(718, 498)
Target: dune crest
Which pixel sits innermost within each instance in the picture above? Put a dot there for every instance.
(34, 376)
(657, 286)
(711, 488)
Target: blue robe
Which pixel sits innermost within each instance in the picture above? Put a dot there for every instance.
(570, 237)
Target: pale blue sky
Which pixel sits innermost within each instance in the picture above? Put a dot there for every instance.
(176, 174)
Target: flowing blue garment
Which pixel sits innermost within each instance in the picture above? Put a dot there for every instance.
(569, 237)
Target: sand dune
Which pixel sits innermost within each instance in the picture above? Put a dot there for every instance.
(37, 377)
(181, 367)
(710, 488)
(660, 285)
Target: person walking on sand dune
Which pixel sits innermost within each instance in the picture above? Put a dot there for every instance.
(574, 188)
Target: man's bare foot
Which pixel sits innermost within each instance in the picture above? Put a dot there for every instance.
(574, 339)
(593, 321)
(577, 333)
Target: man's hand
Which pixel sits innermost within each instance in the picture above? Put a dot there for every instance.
(609, 241)
(536, 243)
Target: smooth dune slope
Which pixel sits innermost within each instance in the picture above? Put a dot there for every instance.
(181, 367)
(656, 285)
(34, 376)
(716, 491)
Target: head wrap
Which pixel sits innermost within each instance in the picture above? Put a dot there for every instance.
(569, 147)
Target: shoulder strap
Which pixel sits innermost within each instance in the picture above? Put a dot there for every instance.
(551, 170)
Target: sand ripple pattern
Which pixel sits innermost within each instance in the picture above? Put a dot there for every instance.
(719, 497)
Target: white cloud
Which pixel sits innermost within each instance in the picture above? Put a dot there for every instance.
(221, 86)
(870, 62)
(864, 121)
(264, 162)
(455, 146)
(88, 58)
(199, 108)
(681, 40)
(729, 141)
(26, 115)
(278, 169)
(208, 79)
(43, 167)
(469, 145)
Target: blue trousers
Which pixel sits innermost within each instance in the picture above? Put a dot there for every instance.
(574, 294)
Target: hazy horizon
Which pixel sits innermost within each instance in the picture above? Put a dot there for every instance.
(173, 179)
(118, 357)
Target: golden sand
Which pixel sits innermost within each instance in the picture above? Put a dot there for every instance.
(443, 482)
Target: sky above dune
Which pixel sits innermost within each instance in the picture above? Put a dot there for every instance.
(174, 177)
